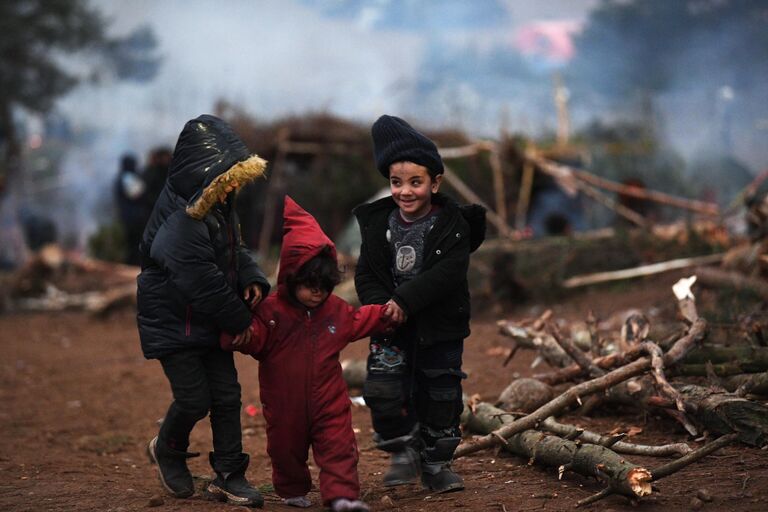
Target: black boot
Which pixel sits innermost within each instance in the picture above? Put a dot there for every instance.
(404, 463)
(233, 487)
(436, 472)
(172, 467)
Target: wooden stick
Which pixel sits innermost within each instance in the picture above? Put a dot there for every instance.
(574, 394)
(499, 191)
(274, 186)
(584, 362)
(702, 207)
(676, 465)
(667, 450)
(622, 476)
(524, 196)
(463, 189)
(644, 270)
(629, 214)
(657, 366)
(554, 406)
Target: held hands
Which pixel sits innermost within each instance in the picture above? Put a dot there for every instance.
(252, 295)
(395, 312)
(243, 339)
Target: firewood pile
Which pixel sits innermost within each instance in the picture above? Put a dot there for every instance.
(717, 392)
(714, 391)
(56, 280)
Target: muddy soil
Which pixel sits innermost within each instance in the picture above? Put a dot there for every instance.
(80, 403)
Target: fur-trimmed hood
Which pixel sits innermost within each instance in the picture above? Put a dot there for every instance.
(209, 162)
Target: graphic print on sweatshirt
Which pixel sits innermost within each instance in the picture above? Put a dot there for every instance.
(406, 241)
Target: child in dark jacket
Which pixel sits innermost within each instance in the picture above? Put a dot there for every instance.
(414, 258)
(298, 333)
(197, 281)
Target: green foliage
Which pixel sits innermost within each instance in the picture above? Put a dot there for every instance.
(108, 243)
(34, 34)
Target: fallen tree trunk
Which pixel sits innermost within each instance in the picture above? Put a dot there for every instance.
(736, 280)
(722, 354)
(755, 384)
(721, 369)
(724, 413)
(574, 394)
(620, 475)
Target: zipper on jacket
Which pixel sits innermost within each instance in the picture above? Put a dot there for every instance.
(188, 327)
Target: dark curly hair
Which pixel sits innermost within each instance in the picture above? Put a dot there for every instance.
(321, 271)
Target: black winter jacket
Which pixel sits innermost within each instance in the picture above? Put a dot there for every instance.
(194, 268)
(437, 299)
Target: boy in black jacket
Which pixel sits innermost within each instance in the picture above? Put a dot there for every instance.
(414, 257)
(196, 282)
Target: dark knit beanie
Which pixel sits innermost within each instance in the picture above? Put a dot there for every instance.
(394, 140)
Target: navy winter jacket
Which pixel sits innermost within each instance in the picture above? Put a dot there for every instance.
(194, 267)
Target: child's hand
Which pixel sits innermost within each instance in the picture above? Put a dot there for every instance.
(252, 295)
(395, 312)
(243, 339)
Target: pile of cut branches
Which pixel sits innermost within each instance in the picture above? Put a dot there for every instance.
(630, 368)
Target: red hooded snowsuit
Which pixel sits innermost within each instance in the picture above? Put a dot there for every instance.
(303, 393)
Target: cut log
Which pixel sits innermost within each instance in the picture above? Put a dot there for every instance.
(757, 356)
(620, 475)
(720, 369)
(714, 277)
(727, 413)
(575, 393)
(742, 385)
(525, 395)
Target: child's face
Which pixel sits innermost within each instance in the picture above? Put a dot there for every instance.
(310, 297)
(412, 188)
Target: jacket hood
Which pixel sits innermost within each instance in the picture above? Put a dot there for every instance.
(209, 162)
(303, 239)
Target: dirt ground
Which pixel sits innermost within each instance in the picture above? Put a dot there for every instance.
(80, 403)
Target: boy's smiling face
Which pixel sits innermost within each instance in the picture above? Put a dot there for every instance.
(412, 188)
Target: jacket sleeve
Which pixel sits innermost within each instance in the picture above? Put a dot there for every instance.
(369, 288)
(183, 249)
(259, 334)
(434, 283)
(367, 320)
(249, 271)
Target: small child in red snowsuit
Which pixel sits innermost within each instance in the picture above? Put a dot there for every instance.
(297, 334)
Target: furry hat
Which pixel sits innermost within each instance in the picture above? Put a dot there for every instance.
(394, 140)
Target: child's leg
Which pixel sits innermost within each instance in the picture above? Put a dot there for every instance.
(439, 406)
(186, 373)
(388, 394)
(387, 389)
(225, 410)
(227, 457)
(191, 396)
(335, 451)
(288, 449)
